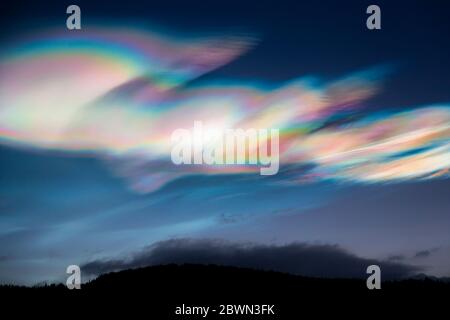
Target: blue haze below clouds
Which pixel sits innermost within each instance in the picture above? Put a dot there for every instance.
(59, 210)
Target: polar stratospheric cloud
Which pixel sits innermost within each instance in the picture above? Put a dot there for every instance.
(119, 94)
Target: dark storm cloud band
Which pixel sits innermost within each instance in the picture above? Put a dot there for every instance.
(303, 259)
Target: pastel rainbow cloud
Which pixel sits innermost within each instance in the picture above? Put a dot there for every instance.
(48, 79)
(119, 93)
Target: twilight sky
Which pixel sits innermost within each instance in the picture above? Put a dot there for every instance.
(86, 118)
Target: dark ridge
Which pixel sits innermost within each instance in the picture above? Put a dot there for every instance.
(158, 290)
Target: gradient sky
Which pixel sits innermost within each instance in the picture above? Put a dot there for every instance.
(369, 171)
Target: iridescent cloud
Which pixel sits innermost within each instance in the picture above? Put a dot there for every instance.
(120, 93)
(46, 80)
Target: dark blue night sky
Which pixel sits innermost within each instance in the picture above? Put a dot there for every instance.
(85, 195)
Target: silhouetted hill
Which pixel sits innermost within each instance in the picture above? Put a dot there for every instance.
(157, 291)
